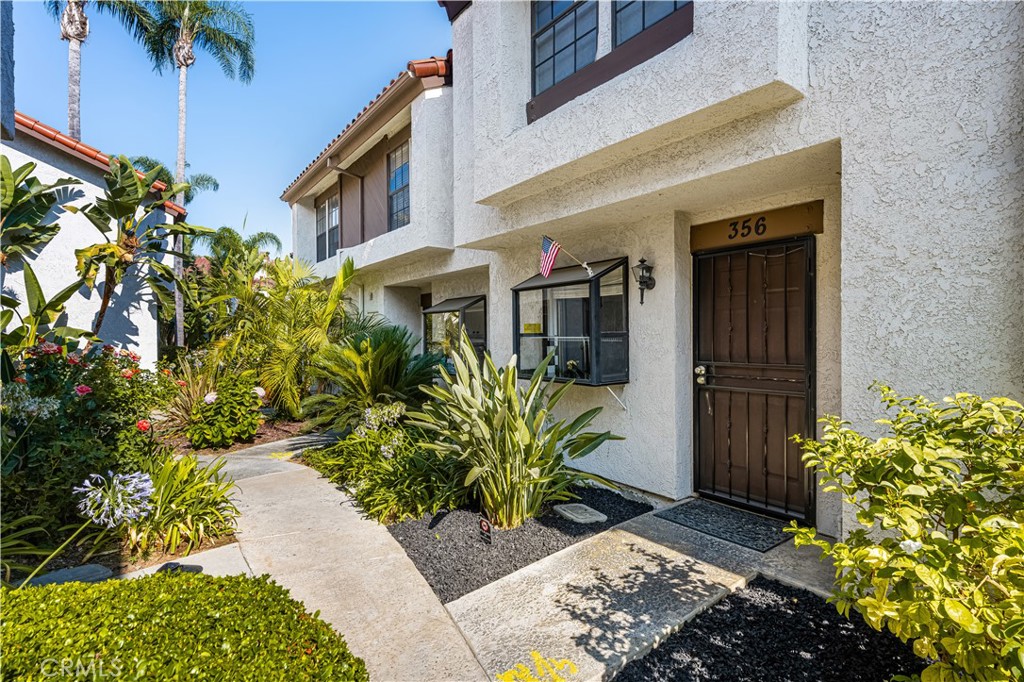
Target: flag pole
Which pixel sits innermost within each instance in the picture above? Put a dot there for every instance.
(587, 267)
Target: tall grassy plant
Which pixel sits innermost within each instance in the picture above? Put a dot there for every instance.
(378, 367)
(190, 504)
(194, 380)
(514, 448)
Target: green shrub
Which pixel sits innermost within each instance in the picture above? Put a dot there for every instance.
(392, 477)
(67, 414)
(137, 448)
(513, 449)
(228, 415)
(940, 557)
(190, 503)
(170, 626)
(377, 367)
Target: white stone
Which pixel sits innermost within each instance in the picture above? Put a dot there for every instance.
(580, 513)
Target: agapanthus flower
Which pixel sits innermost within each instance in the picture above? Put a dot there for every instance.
(113, 499)
(143, 425)
(82, 390)
(210, 397)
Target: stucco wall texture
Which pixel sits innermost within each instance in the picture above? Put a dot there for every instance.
(131, 319)
(905, 118)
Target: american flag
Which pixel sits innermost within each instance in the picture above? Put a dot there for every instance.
(549, 249)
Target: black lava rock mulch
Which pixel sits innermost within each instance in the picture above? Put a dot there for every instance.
(770, 631)
(447, 549)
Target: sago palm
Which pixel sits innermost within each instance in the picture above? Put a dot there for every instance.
(381, 366)
(74, 28)
(225, 31)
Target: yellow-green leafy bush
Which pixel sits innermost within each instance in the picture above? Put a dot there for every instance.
(169, 627)
(939, 559)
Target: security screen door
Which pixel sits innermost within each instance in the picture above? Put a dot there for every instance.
(754, 374)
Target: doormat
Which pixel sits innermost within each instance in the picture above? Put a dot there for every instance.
(740, 527)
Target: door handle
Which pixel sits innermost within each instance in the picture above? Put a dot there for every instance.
(701, 371)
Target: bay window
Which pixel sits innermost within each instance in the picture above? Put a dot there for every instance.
(581, 319)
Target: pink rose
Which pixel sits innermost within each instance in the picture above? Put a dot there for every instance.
(49, 348)
(82, 390)
(127, 373)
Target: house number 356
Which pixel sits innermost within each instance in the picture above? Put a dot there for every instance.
(745, 228)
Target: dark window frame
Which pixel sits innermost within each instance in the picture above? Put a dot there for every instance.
(402, 190)
(333, 229)
(595, 334)
(320, 232)
(538, 31)
(631, 53)
(620, 5)
(470, 302)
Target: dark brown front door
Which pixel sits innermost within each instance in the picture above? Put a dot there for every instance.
(754, 374)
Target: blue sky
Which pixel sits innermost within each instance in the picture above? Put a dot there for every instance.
(317, 65)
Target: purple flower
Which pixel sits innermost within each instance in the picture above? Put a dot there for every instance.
(116, 498)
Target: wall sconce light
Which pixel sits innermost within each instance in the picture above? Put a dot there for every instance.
(642, 272)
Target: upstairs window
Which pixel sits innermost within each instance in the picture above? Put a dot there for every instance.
(631, 17)
(564, 40)
(398, 187)
(321, 233)
(333, 225)
(582, 319)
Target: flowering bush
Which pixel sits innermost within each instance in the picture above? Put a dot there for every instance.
(227, 415)
(940, 557)
(68, 413)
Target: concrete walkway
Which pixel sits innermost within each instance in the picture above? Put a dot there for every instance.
(611, 598)
(305, 533)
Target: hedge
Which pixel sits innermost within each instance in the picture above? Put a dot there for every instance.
(169, 626)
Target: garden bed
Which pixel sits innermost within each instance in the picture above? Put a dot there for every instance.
(117, 561)
(773, 631)
(268, 432)
(449, 553)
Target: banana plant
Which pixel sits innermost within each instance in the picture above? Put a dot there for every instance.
(133, 238)
(25, 223)
(34, 324)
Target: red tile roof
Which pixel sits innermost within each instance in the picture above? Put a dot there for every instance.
(79, 149)
(417, 69)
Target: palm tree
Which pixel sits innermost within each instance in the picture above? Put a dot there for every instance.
(74, 28)
(225, 31)
(197, 182)
(228, 245)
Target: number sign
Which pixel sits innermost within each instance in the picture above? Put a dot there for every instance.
(791, 221)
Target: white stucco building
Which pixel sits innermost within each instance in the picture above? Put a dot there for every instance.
(830, 194)
(131, 319)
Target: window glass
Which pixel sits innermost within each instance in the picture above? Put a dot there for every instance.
(333, 225)
(632, 17)
(321, 233)
(442, 330)
(559, 320)
(398, 187)
(564, 40)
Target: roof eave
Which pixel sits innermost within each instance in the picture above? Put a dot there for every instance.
(374, 117)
